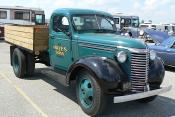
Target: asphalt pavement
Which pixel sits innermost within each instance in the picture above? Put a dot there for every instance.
(42, 96)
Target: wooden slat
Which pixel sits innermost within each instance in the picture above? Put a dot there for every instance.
(25, 45)
(19, 38)
(21, 34)
(28, 29)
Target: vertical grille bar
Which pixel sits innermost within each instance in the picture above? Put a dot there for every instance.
(139, 71)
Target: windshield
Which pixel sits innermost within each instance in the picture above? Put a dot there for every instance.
(135, 23)
(93, 23)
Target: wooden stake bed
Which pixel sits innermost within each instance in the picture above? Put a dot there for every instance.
(34, 38)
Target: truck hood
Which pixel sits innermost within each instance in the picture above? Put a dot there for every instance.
(111, 40)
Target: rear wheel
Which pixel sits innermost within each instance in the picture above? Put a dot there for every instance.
(89, 93)
(18, 63)
(30, 64)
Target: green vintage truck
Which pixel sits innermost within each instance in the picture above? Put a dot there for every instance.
(82, 46)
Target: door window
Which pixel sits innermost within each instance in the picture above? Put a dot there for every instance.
(60, 24)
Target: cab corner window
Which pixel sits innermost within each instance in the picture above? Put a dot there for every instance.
(39, 19)
(60, 24)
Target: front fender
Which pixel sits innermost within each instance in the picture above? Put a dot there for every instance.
(156, 71)
(104, 69)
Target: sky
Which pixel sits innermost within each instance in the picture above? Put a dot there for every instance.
(159, 11)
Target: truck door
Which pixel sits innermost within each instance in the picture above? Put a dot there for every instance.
(60, 42)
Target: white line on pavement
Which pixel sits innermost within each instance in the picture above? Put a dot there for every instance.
(21, 92)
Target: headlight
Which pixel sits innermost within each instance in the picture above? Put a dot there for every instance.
(152, 54)
(122, 56)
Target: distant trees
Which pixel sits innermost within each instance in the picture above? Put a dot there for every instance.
(150, 21)
(142, 21)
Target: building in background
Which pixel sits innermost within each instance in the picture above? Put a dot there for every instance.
(20, 15)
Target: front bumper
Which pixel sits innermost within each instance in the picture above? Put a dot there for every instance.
(126, 98)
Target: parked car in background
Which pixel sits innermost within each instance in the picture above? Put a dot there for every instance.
(144, 26)
(168, 28)
(153, 36)
(163, 44)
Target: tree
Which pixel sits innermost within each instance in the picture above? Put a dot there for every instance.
(142, 21)
(150, 21)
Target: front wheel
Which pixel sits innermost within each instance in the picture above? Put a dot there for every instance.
(89, 93)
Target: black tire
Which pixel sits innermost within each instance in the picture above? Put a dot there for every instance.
(30, 65)
(19, 63)
(152, 98)
(98, 99)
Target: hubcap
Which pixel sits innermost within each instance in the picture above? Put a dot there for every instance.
(86, 92)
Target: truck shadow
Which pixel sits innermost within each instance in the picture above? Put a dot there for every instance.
(171, 69)
(160, 107)
(2, 40)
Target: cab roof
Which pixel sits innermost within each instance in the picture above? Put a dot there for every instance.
(72, 11)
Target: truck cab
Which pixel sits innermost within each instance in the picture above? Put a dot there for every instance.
(72, 32)
(84, 47)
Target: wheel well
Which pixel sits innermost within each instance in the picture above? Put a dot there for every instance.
(72, 76)
(74, 72)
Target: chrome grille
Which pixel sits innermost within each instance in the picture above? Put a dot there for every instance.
(139, 71)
